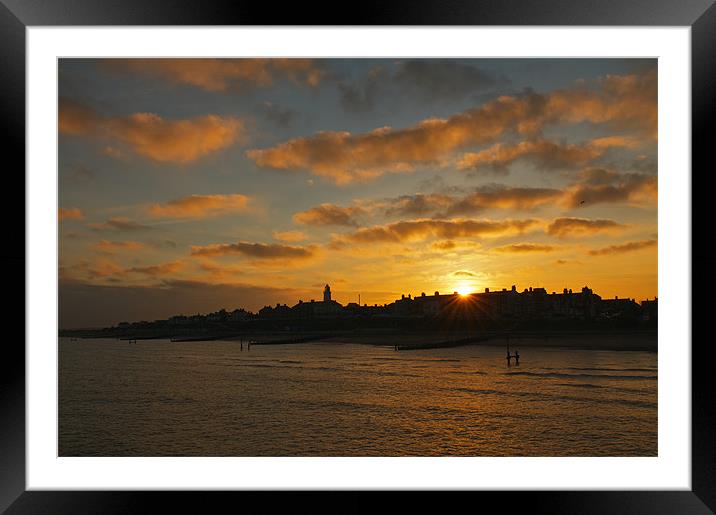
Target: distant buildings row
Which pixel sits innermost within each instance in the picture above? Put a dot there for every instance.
(529, 304)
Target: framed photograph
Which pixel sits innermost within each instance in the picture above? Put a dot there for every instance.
(446, 249)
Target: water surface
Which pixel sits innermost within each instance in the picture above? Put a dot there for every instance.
(158, 398)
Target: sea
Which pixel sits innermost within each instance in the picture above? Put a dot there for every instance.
(162, 398)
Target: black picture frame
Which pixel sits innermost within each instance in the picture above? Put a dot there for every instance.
(17, 15)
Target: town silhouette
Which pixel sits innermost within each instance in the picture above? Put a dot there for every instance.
(485, 315)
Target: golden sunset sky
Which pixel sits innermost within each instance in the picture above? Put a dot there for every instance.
(190, 185)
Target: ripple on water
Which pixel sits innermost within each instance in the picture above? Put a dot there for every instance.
(209, 399)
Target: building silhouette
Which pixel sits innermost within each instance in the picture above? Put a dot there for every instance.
(505, 304)
(511, 307)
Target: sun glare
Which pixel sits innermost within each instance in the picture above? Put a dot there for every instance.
(463, 289)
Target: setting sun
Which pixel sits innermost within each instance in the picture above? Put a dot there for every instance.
(356, 256)
(463, 289)
(521, 197)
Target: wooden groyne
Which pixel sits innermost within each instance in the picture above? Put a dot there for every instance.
(300, 339)
(206, 338)
(603, 340)
(253, 339)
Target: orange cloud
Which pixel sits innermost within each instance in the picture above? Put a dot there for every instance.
(562, 262)
(562, 227)
(343, 157)
(329, 214)
(453, 245)
(464, 273)
(223, 74)
(544, 153)
(594, 186)
(254, 250)
(176, 141)
(201, 206)
(104, 268)
(525, 247)
(290, 236)
(69, 213)
(118, 224)
(77, 119)
(598, 185)
(489, 197)
(418, 230)
(157, 270)
(151, 136)
(114, 246)
(626, 247)
(622, 101)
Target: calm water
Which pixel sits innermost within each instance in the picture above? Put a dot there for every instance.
(210, 399)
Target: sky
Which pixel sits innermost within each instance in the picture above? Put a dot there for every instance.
(191, 185)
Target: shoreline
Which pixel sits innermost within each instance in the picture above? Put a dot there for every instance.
(584, 340)
(617, 340)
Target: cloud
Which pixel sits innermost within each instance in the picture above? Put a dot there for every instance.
(176, 141)
(562, 262)
(201, 206)
(222, 75)
(361, 96)
(418, 230)
(464, 273)
(599, 185)
(545, 154)
(500, 197)
(645, 164)
(521, 248)
(444, 79)
(490, 196)
(77, 119)
(108, 270)
(101, 268)
(70, 213)
(104, 268)
(344, 157)
(562, 227)
(437, 183)
(626, 247)
(150, 135)
(594, 185)
(261, 251)
(110, 247)
(290, 236)
(90, 305)
(420, 204)
(279, 116)
(79, 174)
(453, 245)
(329, 214)
(425, 80)
(157, 270)
(118, 224)
(621, 101)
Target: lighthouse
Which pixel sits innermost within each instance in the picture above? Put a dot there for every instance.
(327, 294)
